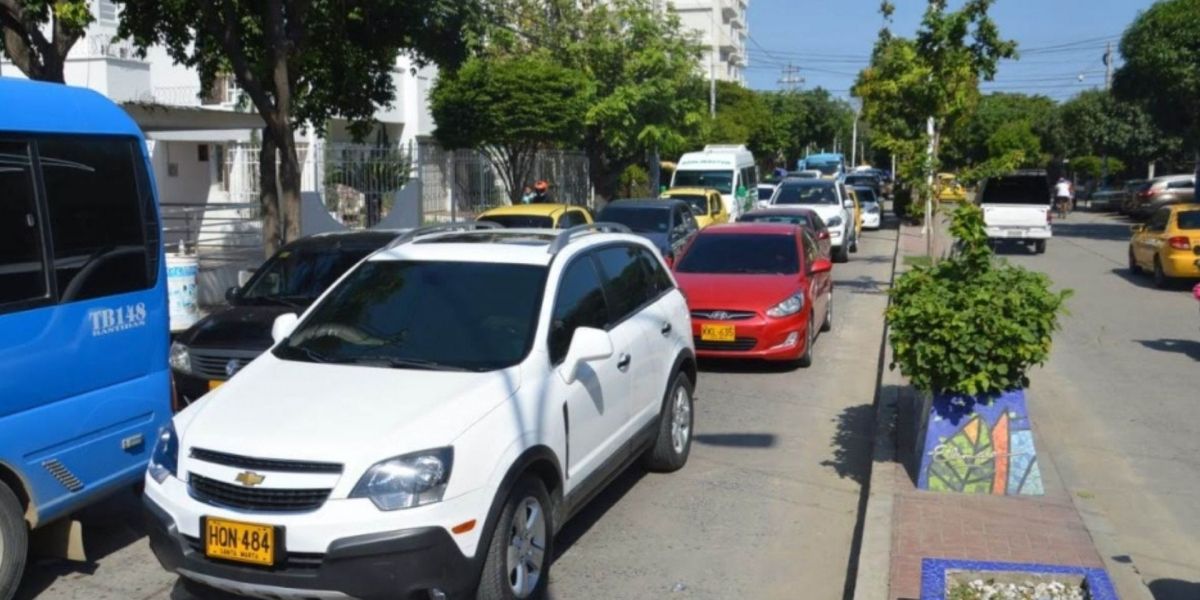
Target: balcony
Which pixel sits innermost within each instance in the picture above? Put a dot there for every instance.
(729, 9)
(224, 93)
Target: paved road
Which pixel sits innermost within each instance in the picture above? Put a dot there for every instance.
(1119, 400)
(766, 507)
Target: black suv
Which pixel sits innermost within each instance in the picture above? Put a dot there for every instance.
(669, 224)
(220, 344)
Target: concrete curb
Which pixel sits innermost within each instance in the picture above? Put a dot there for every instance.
(875, 550)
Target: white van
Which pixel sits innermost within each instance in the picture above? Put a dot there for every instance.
(730, 169)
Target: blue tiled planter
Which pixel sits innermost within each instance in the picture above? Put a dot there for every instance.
(933, 575)
(979, 446)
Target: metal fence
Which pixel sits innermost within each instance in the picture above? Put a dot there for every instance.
(459, 184)
(358, 182)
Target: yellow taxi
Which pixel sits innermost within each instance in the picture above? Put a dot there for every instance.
(949, 189)
(706, 204)
(1168, 245)
(541, 216)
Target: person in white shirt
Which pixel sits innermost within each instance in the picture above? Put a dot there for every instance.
(1062, 196)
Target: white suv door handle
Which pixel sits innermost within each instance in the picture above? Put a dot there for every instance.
(666, 329)
(623, 362)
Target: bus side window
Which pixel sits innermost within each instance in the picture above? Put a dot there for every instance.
(96, 220)
(22, 260)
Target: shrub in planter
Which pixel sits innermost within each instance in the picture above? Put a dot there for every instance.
(966, 331)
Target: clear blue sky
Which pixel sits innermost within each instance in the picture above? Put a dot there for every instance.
(831, 41)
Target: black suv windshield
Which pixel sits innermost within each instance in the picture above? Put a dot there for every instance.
(741, 254)
(424, 315)
(641, 219)
(299, 276)
(807, 193)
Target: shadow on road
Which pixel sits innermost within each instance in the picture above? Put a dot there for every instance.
(851, 443)
(1142, 281)
(737, 440)
(1092, 231)
(593, 511)
(1187, 348)
(108, 527)
(716, 365)
(1174, 589)
(862, 284)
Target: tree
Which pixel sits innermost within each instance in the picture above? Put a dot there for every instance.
(1162, 68)
(935, 76)
(23, 41)
(1016, 138)
(642, 67)
(967, 145)
(509, 107)
(1092, 167)
(301, 62)
(1096, 122)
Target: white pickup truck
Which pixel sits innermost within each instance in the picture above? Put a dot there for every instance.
(1016, 208)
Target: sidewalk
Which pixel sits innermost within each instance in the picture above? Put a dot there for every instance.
(904, 525)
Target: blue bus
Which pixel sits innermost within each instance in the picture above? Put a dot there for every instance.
(84, 384)
(831, 165)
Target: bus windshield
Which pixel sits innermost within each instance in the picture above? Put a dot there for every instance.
(722, 181)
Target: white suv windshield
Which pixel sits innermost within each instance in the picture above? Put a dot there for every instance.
(424, 315)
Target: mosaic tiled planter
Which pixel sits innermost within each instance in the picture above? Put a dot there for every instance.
(979, 446)
(936, 571)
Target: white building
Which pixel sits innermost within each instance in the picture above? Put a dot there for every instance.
(722, 29)
(202, 145)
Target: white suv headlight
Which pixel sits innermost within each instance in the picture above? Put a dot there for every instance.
(790, 306)
(164, 461)
(407, 481)
(180, 359)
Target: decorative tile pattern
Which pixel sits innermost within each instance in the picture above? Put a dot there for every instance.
(980, 447)
(933, 575)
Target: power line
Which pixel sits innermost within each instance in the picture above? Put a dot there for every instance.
(791, 79)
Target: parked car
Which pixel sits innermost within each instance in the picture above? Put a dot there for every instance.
(765, 191)
(1168, 245)
(804, 174)
(1016, 207)
(803, 217)
(705, 203)
(865, 179)
(872, 212)
(431, 422)
(1106, 198)
(668, 224)
(830, 200)
(222, 343)
(1132, 188)
(1163, 191)
(949, 189)
(757, 290)
(547, 216)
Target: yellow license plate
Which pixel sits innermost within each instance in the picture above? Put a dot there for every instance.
(718, 333)
(214, 384)
(242, 542)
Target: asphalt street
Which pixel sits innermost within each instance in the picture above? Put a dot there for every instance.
(766, 506)
(1117, 403)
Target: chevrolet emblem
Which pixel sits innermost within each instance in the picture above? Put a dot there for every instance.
(249, 478)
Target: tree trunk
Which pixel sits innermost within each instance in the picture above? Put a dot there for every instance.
(268, 195)
(289, 185)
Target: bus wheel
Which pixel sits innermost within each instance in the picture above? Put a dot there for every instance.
(14, 538)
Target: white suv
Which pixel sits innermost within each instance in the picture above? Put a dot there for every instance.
(829, 199)
(432, 420)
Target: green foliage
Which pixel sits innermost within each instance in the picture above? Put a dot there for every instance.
(967, 144)
(968, 325)
(1162, 67)
(1016, 138)
(1095, 122)
(635, 183)
(510, 107)
(1093, 166)
(646, 91)
(23, 28)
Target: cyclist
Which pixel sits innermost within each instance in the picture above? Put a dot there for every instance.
(1062, 197)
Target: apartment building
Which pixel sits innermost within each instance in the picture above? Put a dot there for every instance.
(723, 31)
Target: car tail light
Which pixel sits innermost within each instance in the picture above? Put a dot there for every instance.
(824, 235)
(1180, 242)
(1146, 193)
(670, 258)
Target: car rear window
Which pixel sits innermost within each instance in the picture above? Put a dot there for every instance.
(798, 219)
(1189, 219)
(744, 254)
(1016, 190)
(812, 193)
(517, 221)
(647, 219)
(765, 193)
(865, 194)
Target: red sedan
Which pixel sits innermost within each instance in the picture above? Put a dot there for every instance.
(756, 290)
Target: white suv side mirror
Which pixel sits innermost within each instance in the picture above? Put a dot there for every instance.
(284, 325)
(587, 344)
(847, 204)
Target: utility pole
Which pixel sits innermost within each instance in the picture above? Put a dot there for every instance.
(928, 229)
(712, 81)
(854, 136)
(791, 79)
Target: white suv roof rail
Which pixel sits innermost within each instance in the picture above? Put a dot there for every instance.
(567, 235)
(409, 236)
